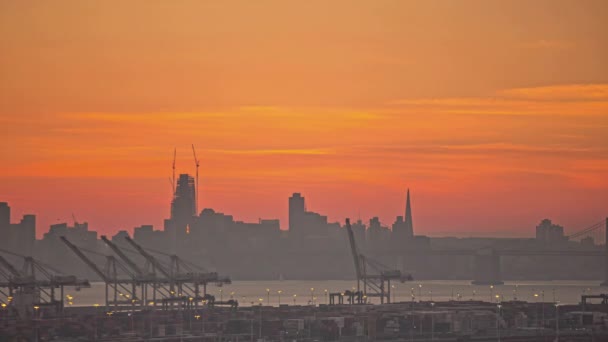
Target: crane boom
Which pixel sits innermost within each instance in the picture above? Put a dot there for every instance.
(353, 248)
(148, 257)
(122, 255)
(85, 259)
(9, 267)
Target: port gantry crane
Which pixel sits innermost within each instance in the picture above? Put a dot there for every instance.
(183, 286)
(28, 282)
(376, 284)
(119, 292)
(145, 277)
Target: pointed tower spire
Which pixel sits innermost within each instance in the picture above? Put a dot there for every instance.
(409, 225)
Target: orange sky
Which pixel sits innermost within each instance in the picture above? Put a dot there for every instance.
(494, 113)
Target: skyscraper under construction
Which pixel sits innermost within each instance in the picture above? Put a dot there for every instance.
(182, 208)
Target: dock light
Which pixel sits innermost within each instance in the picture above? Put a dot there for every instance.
(151, 303)
(36, 307)
(3, 305)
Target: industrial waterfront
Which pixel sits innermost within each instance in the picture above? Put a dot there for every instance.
(457, 321)
(246, 292)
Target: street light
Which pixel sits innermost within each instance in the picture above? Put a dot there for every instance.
(393, 291)
(557, 322)
(294, 299)
(419, 291)
(432, 321)
(498, 321)
(326, 295)
(542, 308)
(221, 297)
(312, 295)
(279, 292)
(536, 311)
(268, 296)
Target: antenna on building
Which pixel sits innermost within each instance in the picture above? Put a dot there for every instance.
(196, 186)
(173, 179)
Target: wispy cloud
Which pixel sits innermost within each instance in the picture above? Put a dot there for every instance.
(568, 92)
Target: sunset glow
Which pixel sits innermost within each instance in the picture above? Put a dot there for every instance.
(492, 128)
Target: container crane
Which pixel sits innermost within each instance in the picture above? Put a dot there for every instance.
(180, 281)
(109, 277)
(37, 279)
(377, 284)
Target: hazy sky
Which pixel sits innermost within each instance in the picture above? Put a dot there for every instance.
(494, 113)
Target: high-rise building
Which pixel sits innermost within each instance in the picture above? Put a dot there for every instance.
(297, 209)
(549, 233)
(182, 206)
(5, 216)
(26, 234)
(182, 212)
(408, 223)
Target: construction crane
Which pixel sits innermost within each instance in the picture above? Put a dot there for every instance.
(173, 179)
(376, 284)
(196, 187)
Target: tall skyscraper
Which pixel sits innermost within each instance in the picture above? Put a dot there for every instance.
(27, 234)
(182, 209)
(409, 224)
(5, 216)
(297, 209)
(403, 228)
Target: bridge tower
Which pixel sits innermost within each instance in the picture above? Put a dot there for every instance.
(605, 283)
(486, 268)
